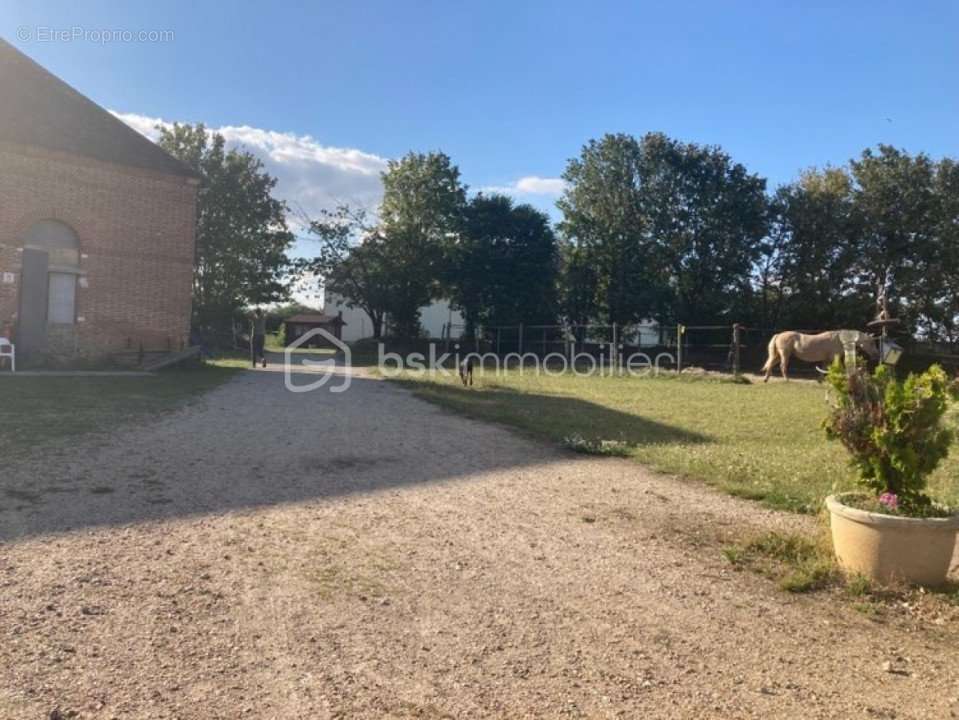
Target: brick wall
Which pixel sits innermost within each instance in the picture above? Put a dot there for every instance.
(136, 234)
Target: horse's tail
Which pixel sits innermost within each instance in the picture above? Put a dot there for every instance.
(772, 353)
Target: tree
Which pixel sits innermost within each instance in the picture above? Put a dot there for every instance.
(578, 285)
(503, 266)
(241, 233)
(815, 231)
(937, 290)
(888, 219)
(672, 230)
(603, 216)
(526, 265)
(353, 262)
(707, 217)
(895, 197)
(420, 216)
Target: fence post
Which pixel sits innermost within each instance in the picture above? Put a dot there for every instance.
(521, 340)
(497, 342)
(613, 353)
(737, 330)
(680, 330)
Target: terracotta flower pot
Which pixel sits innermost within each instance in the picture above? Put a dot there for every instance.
(890, 548)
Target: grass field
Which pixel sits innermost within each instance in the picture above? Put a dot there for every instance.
(752, 440)
(38, 411)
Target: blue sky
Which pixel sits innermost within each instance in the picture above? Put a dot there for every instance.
(511, 90)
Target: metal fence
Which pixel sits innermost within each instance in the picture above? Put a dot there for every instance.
(719, 348)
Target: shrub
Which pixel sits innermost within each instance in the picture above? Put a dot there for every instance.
(893, 430)
(586, 446)
(278, 339)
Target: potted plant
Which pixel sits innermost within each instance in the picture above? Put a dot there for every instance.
(896, 437)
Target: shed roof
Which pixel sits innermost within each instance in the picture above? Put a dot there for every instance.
(315, 319)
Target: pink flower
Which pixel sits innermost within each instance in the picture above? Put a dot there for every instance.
(890, 500)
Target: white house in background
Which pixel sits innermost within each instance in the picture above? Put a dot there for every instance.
(434, 318)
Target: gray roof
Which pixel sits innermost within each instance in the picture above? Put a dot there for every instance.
(39, 109)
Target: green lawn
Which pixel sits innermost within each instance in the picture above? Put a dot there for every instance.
(41, 411)
(753, 440)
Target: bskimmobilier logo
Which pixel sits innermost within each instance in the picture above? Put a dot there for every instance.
(295, 373)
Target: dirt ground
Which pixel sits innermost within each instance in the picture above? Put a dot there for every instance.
(267, 554)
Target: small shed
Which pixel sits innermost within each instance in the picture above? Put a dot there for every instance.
(299, 325)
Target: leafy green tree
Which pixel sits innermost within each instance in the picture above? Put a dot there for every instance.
(242, 237)
(815, 234)
(937, 288)
(895, 197)
(577, 286)
(604, 217)
(707, 217)
(503, 266)
(672, 230)
(354, 262)
(420, 217)
(888, 219)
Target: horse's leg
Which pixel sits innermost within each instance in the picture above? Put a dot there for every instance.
(771, 361)
(784, 366)
(771, 365)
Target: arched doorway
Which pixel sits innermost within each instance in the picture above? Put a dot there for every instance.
(48, 284)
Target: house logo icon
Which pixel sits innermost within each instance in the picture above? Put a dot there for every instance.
(293, 371)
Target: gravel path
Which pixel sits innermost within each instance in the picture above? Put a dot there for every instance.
(265, 554)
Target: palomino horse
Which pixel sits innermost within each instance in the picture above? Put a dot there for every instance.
(821, 348)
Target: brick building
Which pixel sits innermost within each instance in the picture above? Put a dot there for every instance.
(96, 225)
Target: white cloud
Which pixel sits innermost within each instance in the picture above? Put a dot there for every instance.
(142, 123)
(530, 185)
(533, 185)
(310, 176)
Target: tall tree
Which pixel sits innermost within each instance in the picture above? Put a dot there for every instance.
(671, 229)
(603, 216)
(937, 290)
(242, 237)
(577, 285)
(895, 197)
(816, 232)
(353, 262)
(503, 266)
(888, 218)
(707, 217)
(420, 217)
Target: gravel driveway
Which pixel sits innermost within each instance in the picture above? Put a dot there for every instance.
(265, 554)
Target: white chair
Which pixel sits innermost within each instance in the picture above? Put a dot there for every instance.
(8, 349)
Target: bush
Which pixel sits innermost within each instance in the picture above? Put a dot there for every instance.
(587, 446)
(893, 430)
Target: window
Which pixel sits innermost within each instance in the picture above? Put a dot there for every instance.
(61, 308)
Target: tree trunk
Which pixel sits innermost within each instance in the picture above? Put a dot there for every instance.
(376, 319)
(470, 331)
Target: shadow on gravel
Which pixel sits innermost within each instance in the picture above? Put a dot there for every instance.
(251, 443)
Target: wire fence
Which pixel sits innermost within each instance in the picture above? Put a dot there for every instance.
(732, 349)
